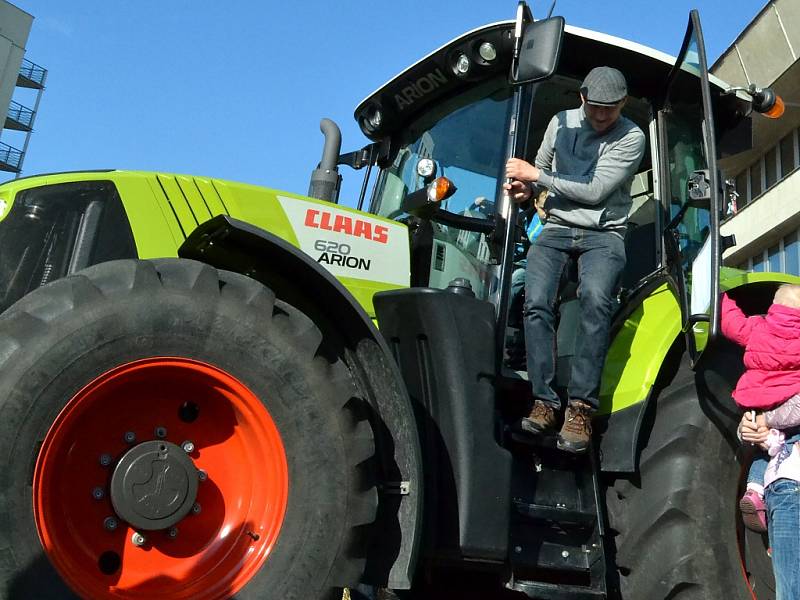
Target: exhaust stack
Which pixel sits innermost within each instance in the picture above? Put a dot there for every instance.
(325, 179)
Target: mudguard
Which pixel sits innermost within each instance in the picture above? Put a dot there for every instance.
(642, 338)
(234, 245)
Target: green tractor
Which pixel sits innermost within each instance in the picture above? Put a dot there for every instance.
(211, 389)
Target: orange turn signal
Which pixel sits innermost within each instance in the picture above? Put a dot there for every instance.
(440, 189)
(776, 112)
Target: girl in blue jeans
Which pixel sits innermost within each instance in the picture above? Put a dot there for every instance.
(782, 479)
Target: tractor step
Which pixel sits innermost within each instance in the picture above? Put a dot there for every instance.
(557, 527)
(556, 514)
(553, 591)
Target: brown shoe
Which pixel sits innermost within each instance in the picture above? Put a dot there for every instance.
(541, 420)
(577, 429)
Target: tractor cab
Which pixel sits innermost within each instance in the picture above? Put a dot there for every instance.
(462, 111)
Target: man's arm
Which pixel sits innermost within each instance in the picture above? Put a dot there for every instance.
(785, 416)
(611, 170)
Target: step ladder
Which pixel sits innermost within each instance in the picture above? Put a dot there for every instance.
(557, 525)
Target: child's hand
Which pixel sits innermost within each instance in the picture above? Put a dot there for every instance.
(751, 432)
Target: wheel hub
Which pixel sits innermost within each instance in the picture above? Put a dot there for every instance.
(154, 485)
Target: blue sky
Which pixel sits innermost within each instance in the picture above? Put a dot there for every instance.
(236, 89)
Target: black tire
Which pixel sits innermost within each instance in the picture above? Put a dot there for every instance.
(61, 336)
(676, 524)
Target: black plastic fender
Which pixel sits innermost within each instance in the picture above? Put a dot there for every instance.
(233, 245)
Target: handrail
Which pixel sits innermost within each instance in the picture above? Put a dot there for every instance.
(19, 113)
(10, 155)
(30, 70)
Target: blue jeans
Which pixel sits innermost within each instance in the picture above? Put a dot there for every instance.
(783, 507)
(758, 468)
(600, 257)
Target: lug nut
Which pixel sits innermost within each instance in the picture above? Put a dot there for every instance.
(161, 432)
(196, 508)
(137, 539)
(129, 437)
(172, 532)
(98, 493)
(202, 475)
(188, 446)
(105, 460)
(110, 523)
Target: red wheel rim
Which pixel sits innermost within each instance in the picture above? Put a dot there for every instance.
(219, 546)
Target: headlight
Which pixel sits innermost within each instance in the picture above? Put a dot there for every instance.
(487, 51)
(462, 65)
(426, 168)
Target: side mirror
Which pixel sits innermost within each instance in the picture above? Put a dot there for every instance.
(539, 51)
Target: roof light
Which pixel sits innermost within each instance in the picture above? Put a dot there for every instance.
(776, 112)
(766, 102)
(462, 65)
(487, 51)
(375, 118)
(371, 120)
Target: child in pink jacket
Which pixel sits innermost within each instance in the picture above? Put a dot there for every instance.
(770, 385)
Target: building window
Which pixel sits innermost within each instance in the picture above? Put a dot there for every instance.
(755, 180)
(741, 189)
(791, 256)
(788, 158)
(758, 263)
(771, 167)
(774, 259)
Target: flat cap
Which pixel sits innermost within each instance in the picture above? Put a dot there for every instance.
(604, 86)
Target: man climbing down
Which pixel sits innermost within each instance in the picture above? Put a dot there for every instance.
(587, 160)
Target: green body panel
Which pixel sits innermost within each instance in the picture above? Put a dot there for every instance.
(635, 355)
(163, 209)
(732, 278)
(639, 347)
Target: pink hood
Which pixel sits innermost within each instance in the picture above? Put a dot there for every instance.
(771, 355)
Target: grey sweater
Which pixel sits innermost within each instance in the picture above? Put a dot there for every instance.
(589, 174)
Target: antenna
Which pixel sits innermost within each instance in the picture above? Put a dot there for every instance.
(552, 6)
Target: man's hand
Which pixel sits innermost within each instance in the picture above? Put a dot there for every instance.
(518, 191)
(753, 433)
(519, 169)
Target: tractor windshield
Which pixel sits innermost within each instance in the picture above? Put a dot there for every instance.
(55, 230)
(465, 137)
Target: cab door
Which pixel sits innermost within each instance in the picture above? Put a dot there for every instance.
(690, 190)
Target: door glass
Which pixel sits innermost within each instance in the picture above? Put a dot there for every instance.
(687, 124)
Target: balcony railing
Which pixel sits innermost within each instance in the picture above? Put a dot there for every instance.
(31, 74)
(21, 117)
(10, 158)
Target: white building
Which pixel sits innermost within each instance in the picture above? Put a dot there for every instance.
(18, 77)
(767, 222)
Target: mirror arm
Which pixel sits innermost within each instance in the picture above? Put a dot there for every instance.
(445, 217)
(700, 318)
(358, 159)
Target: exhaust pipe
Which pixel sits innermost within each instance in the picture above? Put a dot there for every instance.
(325, 179)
